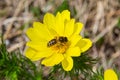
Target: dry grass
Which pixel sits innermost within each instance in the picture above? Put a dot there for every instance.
(100, 18)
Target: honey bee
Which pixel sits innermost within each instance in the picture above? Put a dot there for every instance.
(56, 40)
(62, 39)
(52, 42)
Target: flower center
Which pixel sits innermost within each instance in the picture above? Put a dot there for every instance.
(59, 44)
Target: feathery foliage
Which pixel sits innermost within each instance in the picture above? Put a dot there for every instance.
(14, 66)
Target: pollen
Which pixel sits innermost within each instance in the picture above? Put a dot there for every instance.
(59, 44)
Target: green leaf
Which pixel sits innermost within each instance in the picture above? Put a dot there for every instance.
(15, 66)
(24, 26)
(98, 75)
(63, 6)
(35, 11)
(118, 24)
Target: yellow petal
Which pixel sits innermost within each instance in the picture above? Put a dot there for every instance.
(42, 30)
(67, 63)
(84, 44)
(110, 75)
(69, 27)
(39, 32)
(55, 59)
(74, 40)
(32, 34)
(36, 55)
(78, 28)
(30, 53)
(65, 15)
(49, 20)
(59, 28)
(74, 51)
(39, 46)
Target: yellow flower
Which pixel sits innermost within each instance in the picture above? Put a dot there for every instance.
(56, 40)
(110, 75)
